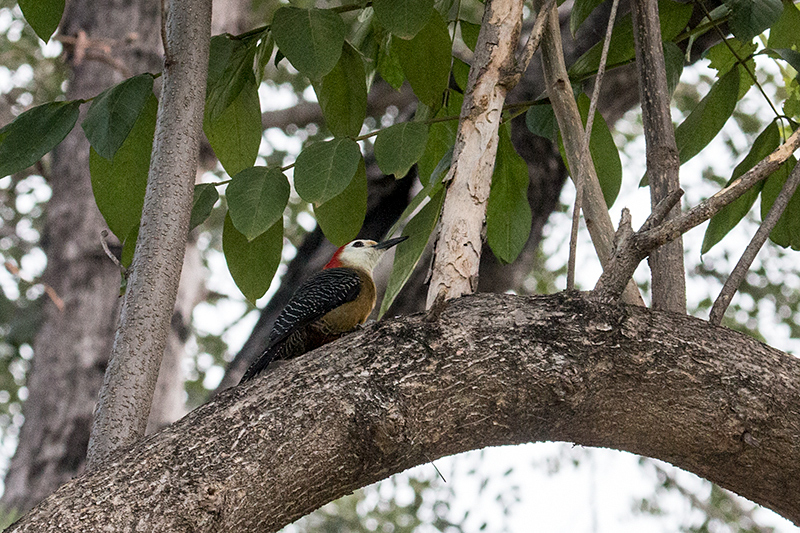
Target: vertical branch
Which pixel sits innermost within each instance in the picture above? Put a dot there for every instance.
(741, 268)
(576, 209)
(666, 263)
(598, 221)
(493, 74)
(130, 378)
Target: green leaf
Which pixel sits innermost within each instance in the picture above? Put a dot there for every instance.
(581, 9)
(469, 33)
(342, 216)
(508, 215)
(426, 60)
(236, 134)
(441, 136)
(787, 231)
(114, 112)
(541, 121)
(34, 133)
(404, 18)
(674, 17)
(323, 170)
(389, 64)
(128, 249)
(708, 116)
(256, 198)
(266, 45)
(605, 155)
(784, 33)
(408, 253)
(119, 184)
(790, 56)
(205, 196)
(342, 94)
(673, 62)
(398, 147)
(722, 59)
(230, 69)
(749, 18)
(252, 264)
(42, 15)
(460, 73)
(311, 39)
(730, 215)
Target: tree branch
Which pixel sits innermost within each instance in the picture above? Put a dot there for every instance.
(493, 370)
(666, 263)
(130, 378)
(649, 237)
(741, 268)
(598, 221)
(493, 73)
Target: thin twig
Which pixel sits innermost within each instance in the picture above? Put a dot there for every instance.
(601, 71)
(598, 221)
(741, 268)
(104, 244)
(535, 37)
(576, 208)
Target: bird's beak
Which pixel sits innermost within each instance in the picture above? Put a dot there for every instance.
(385, 245)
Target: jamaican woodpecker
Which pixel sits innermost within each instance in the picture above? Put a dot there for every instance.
(329, 304)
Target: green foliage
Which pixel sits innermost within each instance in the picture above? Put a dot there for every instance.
(323, 170)
(311, 39)
(230, 68)
(43, 16)
(732, 214)
(398, 147)
(119, 184)
(35, 132)
(256, 198)
(541, 120)
(674, 17)
(342, 216)
(787, 231)
(725, 56)
(749, 18)
(581, 9)
(469, 33)
(708, 117)
(403, 18)
(426, 60)
(342, 94)
(784, 33)
(508, 215)
(205, 196)
(441, 136)
(389, 64)
(114, 112)
(252, 264)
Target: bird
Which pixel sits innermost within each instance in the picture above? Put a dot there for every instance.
(330, 303)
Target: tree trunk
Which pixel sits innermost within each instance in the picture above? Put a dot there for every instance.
(492, 370)
(71, 350)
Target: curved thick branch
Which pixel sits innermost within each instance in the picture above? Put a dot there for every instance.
(492, 370)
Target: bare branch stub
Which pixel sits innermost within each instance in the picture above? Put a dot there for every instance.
(620, 267)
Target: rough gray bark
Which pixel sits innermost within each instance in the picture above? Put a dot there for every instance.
(491, 370)
(666, 262)
(146, 314)
(71, 349)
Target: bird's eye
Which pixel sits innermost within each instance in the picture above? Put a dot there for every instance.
(358, 244)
